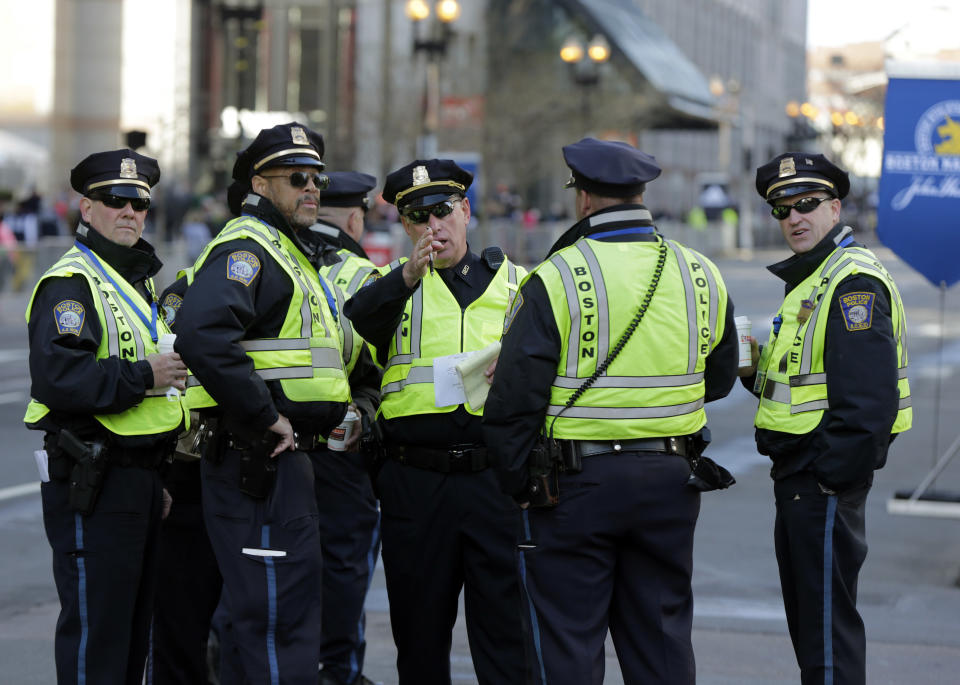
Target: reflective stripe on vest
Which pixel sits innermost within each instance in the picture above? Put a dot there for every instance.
(794, 385)
(591, 320)
(307, 357)
(407, 386)
(350, 272)
(124, 336)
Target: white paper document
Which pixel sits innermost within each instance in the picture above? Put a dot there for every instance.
(447, 386)
(473, 377)
(42, 465)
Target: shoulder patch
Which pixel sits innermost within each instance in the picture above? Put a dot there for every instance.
(512, 312)
(69, 315)
(857, 310)
(171, 305)
(242, 266)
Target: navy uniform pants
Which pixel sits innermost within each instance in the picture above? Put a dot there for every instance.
(268, 551)
(821, 545)
(105, 569)
(616, 553)
(441, 533)
(350, 540)
(188, 587)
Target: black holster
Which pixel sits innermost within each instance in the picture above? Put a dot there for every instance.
(89, 469)
(544, 465)
(258, 470)
(706, 474)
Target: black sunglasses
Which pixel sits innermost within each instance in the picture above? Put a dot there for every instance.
(804, 206)
(298, 179)
(421, 215)
(139, 204)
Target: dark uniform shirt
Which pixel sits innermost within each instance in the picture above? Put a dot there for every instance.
(376, 310)
(217, 313)
(517, 404)
(66, 375)
(854, 434)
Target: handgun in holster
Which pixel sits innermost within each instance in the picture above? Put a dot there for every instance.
(258, 470)
(544, 467)
(706, 475)
(89, 469)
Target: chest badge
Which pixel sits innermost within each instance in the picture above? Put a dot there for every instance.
(806, 309)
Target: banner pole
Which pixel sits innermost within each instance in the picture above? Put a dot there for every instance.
(936, 402)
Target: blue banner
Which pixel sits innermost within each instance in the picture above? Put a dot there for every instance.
(918, 212)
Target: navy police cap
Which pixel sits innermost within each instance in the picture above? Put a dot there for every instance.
(118, 172)
(290, 144)
(609, 168)
(347, 189)
(793, 173)
(425, 182)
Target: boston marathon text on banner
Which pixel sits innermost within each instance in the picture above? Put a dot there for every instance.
(919, 195)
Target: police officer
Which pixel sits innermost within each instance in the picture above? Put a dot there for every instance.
(833, 393)
(616, 342)
(189, 583)
(340, 225)
(349, 517)
(98, 386)
(445, 524)
(259, 330)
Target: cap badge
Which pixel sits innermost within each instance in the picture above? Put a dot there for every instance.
(420, 175)
(128, 168)
(299, 136)
(787, 167)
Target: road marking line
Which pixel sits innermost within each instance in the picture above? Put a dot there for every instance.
(19, 490)
(11, 397)
(14, 355)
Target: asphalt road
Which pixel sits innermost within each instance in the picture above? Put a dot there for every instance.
(909, 592)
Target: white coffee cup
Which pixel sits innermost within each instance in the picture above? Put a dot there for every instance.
(165, 343)
(165, 346)
(743, 334)
(341, 434)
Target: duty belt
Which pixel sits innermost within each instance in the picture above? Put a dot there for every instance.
(586, 448)
(144, 458)
(456, 459)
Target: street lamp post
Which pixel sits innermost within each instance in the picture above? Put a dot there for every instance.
(585, 67)
(434, 46)
(736, 111)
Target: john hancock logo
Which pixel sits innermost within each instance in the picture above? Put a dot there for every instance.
(935, 164)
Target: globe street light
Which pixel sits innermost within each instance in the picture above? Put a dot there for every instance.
(434, 46)
(584, 66)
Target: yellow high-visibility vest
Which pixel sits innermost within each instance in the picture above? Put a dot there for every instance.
(655, 385)
(124, 335)
(791, 378)
(306, 357)
(433, 325)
